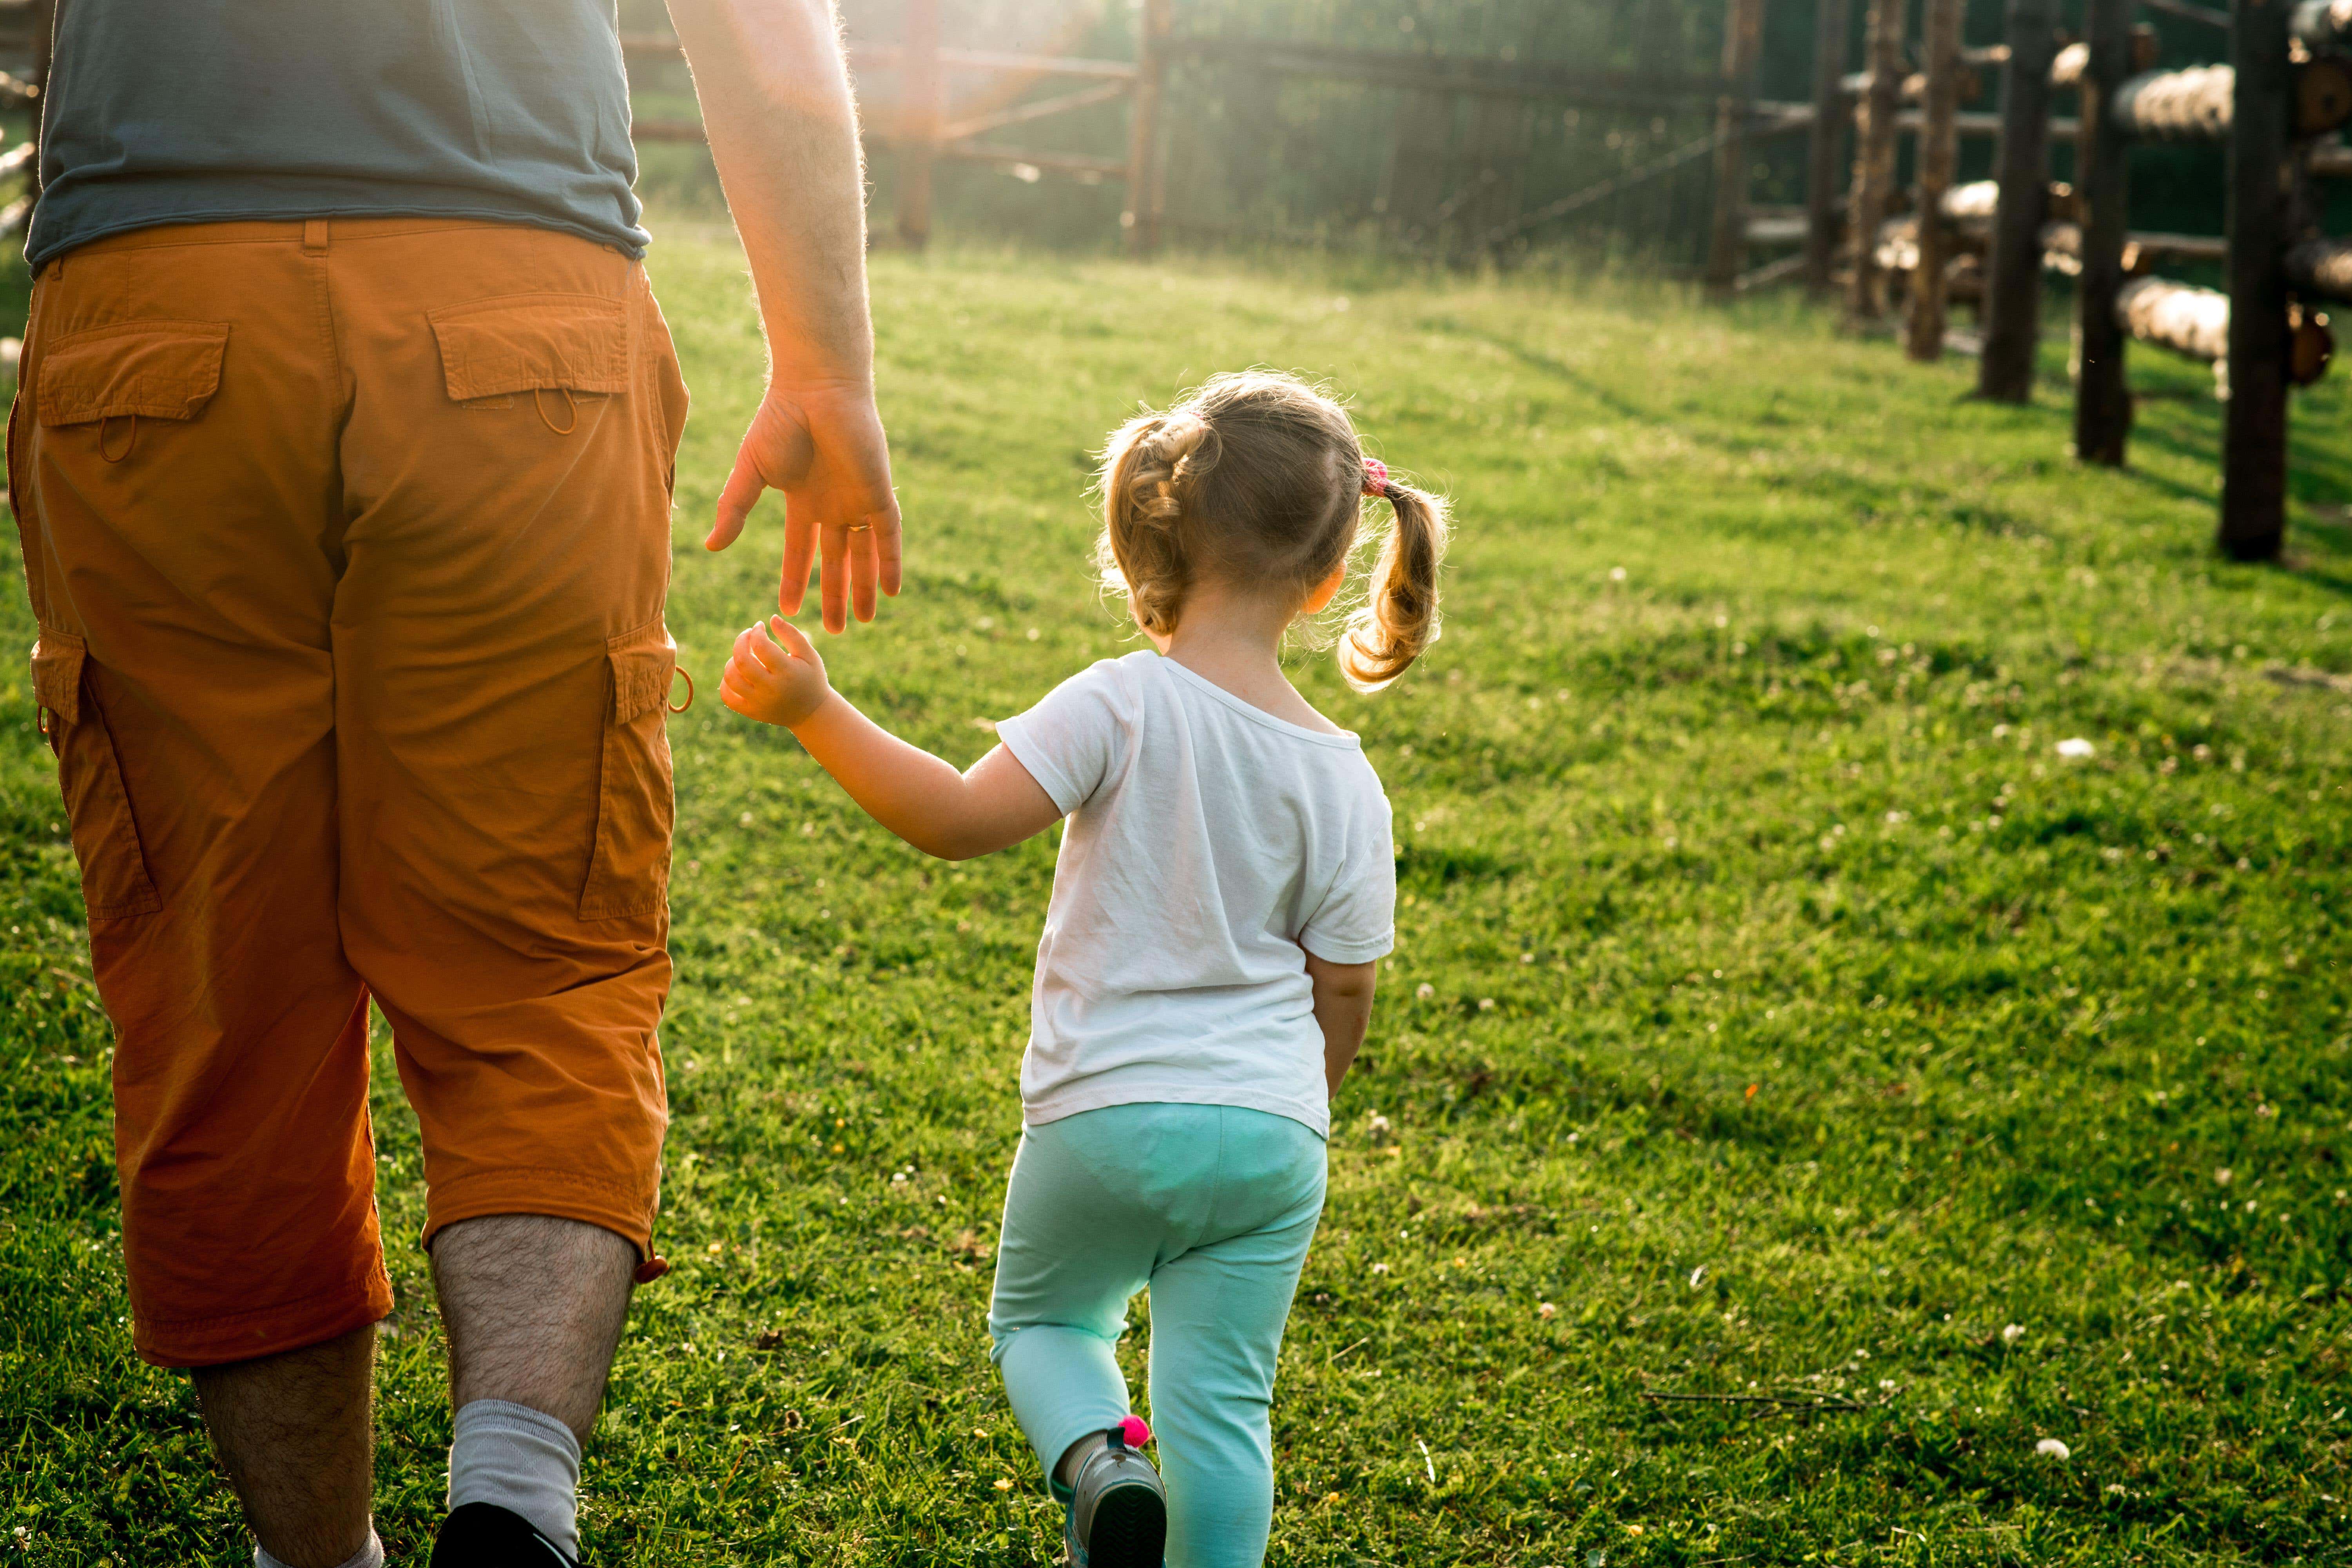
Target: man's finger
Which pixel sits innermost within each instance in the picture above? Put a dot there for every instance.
(862, 570)
(832, 573)
(800, 550)
(888, 548)
(742, 493)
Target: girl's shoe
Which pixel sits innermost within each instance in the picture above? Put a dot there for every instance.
(1118, 1514)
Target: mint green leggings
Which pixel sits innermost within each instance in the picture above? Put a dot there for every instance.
(1210, 1206)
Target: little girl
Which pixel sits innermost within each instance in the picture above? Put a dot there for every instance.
(1225, 887)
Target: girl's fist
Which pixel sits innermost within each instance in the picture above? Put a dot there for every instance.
(776, 679)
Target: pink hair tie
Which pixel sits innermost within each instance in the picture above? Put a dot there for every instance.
(1376, 477)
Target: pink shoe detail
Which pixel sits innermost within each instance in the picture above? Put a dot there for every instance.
(1134, 1433)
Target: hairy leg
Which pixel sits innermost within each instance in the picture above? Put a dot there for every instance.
(533, 1307)
(297, 1436)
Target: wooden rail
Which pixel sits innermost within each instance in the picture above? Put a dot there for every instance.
(2197, 104)
(1454, 73)
(890, 57)
(2194, 322)
(2194, 12)
(1791, 116)
(2321, 269)
(2322, 23)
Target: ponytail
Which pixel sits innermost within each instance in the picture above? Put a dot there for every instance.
(1399, 621)
(1148, 468)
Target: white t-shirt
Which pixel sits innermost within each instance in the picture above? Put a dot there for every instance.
(1208, 843)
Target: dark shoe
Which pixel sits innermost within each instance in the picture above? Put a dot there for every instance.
(1118, 1514)
(484, 1535)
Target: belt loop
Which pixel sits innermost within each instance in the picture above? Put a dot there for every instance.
(314, 234)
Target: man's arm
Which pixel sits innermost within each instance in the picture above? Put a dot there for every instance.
(1343, 1007)
(783, 132)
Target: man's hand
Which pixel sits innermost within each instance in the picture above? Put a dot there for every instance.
(777, 681)
(823, 448)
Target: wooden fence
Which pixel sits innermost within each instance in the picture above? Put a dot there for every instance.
(926, 122)
(2286, 86)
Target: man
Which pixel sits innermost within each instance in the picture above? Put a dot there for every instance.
(342, 455)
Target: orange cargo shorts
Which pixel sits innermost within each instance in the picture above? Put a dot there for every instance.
(348, 541)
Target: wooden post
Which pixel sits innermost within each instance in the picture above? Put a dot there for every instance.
(922, 105)
(2101, 401)
(2253, 442)
(1501, 131)
(1743, 30)
(1874, 153)
(1824, 141)
(1421, 148)
(1940, 150)
(1141, 219)
(2013, 286)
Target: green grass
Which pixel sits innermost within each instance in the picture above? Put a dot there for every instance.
(1776, 1012)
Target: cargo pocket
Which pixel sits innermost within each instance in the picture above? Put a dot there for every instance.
(554, 347)
(115, 376)
(628, 873)
(114, 881)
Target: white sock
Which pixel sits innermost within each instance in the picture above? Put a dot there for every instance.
(522, 1459)
(368, 1556)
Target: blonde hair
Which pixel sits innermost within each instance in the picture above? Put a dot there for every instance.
(1258, 478)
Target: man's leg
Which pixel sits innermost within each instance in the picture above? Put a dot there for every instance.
(533, 1307)
(180, 541)
(297, 1439)
(502, 673)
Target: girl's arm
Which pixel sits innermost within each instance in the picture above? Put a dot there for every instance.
(1343, 1006)
(919, 797)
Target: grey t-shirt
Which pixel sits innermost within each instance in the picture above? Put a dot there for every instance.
(165, 111)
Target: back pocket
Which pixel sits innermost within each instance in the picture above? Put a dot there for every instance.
(628, 873)
(567, 343)
(129, 371)
(114, 880)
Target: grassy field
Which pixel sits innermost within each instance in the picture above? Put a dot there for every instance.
(1799, 1090)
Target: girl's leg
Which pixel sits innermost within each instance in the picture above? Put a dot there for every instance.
(1217, 1317)
(1077, 1242)
(1064, 1384)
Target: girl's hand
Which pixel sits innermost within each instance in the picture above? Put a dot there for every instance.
(778, 680)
